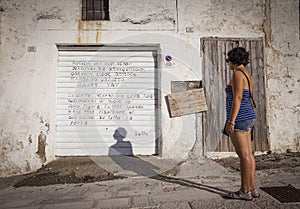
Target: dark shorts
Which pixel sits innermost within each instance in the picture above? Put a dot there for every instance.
(243, 126)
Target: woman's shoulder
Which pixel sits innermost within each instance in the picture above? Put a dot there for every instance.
(245, 76)
(237, 75)
(239, 72)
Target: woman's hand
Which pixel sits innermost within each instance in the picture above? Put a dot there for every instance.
(230, 128)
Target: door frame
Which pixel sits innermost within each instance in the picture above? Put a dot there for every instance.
(256, 67)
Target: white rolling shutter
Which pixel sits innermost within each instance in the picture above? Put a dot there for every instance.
(104, 89)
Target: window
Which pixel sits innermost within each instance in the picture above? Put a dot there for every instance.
(95, 10)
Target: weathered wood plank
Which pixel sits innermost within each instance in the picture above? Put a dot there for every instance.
(253, 68)
(187, 102)
(224, 79)
(205, 72)
(207, 116)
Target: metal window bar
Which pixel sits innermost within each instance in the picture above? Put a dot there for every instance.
(95, 9)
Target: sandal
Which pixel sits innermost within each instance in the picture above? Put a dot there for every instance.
(255, 193)
(240, 195)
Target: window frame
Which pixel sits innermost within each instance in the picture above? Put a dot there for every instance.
(95, 10)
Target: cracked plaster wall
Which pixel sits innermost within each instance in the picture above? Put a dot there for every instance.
(283, 76)
(28, 79)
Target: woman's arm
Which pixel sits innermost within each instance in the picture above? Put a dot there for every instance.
(237, 88)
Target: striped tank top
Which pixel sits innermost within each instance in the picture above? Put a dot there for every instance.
(246, 111)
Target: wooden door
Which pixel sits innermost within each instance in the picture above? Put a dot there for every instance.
(216, 76)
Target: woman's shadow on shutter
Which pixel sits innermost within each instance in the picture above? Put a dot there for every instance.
(121, 153)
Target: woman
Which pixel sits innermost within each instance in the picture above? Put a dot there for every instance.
(240, 119)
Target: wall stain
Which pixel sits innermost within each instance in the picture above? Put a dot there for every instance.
(53, 13)
(42, 147)
(80, 28)
(30, 139)
(98, 33)
(267, 24)
(137, 22)
(83, 29)
(28, 168)
(19, 145)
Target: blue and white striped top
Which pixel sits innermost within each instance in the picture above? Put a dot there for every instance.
(246, 111)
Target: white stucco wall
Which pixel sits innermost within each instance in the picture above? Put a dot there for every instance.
(283, 76)
(28, 79)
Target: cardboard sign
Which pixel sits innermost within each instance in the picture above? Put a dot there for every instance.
(186, 102)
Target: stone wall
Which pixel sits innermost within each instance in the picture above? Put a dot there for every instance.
(283, 74)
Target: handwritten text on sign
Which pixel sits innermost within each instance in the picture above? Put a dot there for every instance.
(105, 96)
(108, 94)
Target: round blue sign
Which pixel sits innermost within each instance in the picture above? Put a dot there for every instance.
(168, 58)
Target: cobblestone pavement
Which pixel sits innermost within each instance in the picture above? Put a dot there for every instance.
(195, 185)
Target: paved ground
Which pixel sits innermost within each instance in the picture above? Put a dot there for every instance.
(151, 183)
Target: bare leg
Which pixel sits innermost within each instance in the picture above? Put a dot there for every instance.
(253, 165)
(241, 142)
